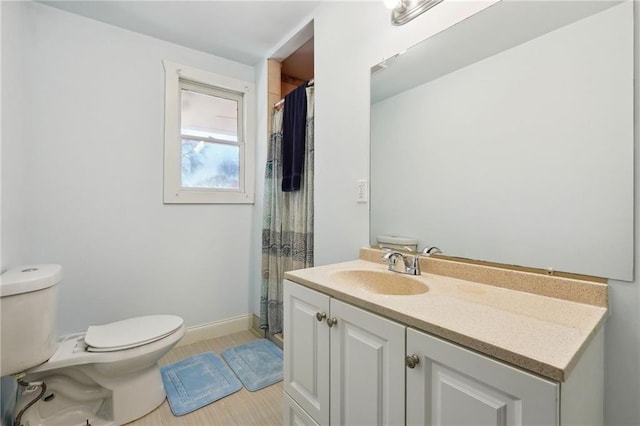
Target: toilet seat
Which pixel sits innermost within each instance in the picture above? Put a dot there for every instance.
(130, 333)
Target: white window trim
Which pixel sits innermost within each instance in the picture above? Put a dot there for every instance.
(173, 191)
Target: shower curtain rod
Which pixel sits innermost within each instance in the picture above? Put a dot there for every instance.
(281, 101)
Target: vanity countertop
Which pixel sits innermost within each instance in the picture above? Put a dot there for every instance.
(539, 333)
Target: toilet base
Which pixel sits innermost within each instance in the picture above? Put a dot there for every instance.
(82, 394)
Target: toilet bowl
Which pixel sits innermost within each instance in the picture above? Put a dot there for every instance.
(108, 375)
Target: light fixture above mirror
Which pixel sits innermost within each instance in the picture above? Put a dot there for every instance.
(406, 10)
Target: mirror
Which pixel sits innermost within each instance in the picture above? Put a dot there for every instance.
(508, 138)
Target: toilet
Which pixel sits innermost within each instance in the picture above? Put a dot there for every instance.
(108, 375)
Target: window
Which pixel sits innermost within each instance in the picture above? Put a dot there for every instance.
(208, 142)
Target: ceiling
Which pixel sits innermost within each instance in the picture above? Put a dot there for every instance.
(243, 31)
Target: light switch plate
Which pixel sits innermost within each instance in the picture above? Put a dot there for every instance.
(362, 195)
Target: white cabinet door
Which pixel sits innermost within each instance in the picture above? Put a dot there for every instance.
(294, 415)
(453, 386)
(367, 368)
(306, 351)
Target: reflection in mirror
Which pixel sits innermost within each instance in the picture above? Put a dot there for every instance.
(509, 138)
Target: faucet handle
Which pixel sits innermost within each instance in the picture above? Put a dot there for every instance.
(414, 268)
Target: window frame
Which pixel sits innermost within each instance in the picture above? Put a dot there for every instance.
(174, 193)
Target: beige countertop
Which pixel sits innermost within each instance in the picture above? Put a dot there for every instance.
(545, 335)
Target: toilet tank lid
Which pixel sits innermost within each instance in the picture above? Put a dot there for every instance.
(394, 239)
(131, 332)
(26, 278)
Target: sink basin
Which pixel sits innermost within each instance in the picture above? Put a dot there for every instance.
(380, 282)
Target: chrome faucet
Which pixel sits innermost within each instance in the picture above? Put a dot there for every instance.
(411, 266)
(428, 251)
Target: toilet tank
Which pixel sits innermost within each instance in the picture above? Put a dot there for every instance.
(28, 316)
(397, 243)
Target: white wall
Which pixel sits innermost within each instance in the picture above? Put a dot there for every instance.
(85, 172)
(11, 205)
(255, 253)
(13, 244)
(622, 338)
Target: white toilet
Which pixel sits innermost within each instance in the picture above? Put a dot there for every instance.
(106, 376)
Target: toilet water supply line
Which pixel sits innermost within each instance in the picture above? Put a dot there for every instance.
(43, 389)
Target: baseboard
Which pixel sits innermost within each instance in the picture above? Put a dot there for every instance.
(278, 339)
(216, 329)
(255, 325)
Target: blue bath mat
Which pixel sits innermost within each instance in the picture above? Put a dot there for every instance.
(257, 364)
(197, 381)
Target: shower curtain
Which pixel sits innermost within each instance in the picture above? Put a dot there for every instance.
(287, 221)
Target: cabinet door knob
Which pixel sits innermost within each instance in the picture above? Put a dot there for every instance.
(411, 361)
(332, 321)
(320, 316)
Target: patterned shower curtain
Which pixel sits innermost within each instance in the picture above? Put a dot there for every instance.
(287, 221)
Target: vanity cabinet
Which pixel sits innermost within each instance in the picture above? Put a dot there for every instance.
(346, 366)
(450, 385)
(343, 365)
